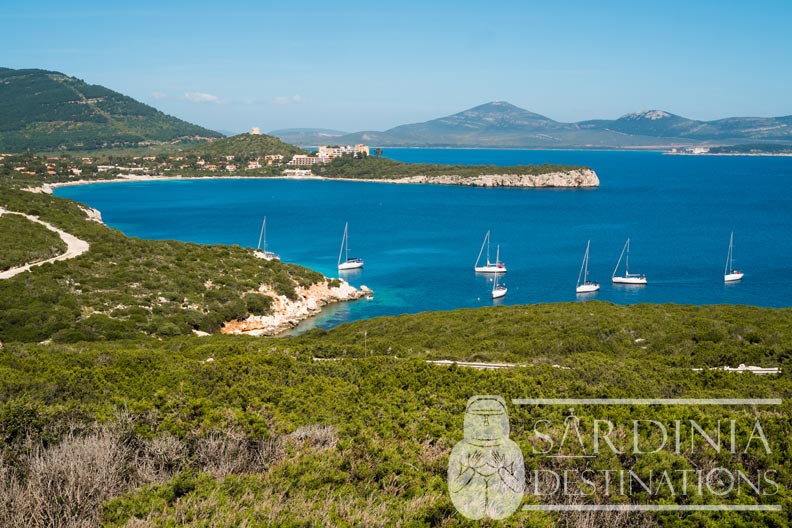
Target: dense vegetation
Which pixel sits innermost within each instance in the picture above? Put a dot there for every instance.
(25, 241)
(125, 287)
(242, 431)
(384, 168)
(245, 147)
(44, 110)
(112, 414)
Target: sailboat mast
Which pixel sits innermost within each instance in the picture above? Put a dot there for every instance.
(264, 233)
(583, 266)
(261, 234)
(478, 259)
(620, 258)
(585, 259)
(627, 260)
(343, 243)
(488, 248)
(729, 259)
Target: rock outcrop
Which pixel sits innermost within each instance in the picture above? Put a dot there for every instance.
(572, 178)
(286, 313)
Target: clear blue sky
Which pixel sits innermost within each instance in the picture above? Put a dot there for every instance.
(373, 65)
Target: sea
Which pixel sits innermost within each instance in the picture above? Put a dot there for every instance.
(420, 242)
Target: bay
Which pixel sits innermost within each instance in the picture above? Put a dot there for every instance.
(420, 241)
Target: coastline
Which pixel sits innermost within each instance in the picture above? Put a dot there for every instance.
(287, 313)
(754, 154)
(583, 178)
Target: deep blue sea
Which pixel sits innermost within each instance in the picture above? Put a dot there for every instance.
(420, 242)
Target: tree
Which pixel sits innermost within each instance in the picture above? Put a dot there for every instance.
(378, 152)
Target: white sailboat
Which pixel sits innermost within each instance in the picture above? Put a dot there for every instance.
(587, 286)
(490, 267)
(348, 263)
(729, 273)
(266, 255)
(498, 290)
(627, 278)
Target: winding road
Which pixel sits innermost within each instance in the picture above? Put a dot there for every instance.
(74, 246)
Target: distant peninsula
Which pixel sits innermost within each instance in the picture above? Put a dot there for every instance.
(530, 176)
(263, 156)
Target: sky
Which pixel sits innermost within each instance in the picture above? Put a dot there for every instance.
(373, 65)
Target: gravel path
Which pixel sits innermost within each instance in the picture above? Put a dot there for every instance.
(74, 246)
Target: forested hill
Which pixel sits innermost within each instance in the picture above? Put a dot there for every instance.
(45, 110)
(245, 146)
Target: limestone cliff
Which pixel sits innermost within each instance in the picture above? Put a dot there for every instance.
(572, 178)
(286, 313)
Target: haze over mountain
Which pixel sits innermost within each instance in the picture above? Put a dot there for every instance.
(47, 110)
(499, 124)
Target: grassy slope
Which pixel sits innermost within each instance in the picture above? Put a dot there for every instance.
(397, 419)
(124, 287)
(25, 241)
(42, 110)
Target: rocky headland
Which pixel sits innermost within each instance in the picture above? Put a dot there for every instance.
(572, 178)
(287, 313)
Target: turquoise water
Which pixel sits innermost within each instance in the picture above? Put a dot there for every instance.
(420, 241)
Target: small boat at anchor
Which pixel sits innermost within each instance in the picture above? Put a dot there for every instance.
(627, 278)
(498, 290)
(586, 286)
(489, 267)
(729, 273)
(349, 263)
(264, 254)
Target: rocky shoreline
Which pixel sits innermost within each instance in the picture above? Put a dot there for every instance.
(287, 313)
(575, 178)
(572, 178)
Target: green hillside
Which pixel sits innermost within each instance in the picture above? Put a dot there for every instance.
(239, 431)
(113, 414)
(24, 241)
(128, 287)
(44, 110)
(245, 146)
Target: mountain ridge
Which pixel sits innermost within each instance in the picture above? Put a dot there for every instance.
(500, 124)
(49, 110)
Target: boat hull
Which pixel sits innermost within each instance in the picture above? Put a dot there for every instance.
(733, 277)
(587, 288)
(629, 280)
(497, 294)
(490, 269)
(350, 265)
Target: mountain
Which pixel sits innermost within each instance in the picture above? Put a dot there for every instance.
(502, 125)
(654, 123)
(251, 146)
(498, 125)
(658, 123)
(47, 110)
(309, 137)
